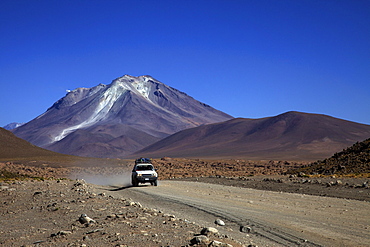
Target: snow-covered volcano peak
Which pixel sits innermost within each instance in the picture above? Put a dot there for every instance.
(112, 94)
(147, 78)
(141, 85)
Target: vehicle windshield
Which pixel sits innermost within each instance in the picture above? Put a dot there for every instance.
(144, 167)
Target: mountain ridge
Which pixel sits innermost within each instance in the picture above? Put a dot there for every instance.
(291, 135)
(13, 125)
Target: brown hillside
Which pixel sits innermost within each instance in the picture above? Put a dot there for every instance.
(289, 136)
(18, 151)
(12, 146)
(353, 160)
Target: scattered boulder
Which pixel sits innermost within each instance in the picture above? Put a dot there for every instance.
(246, 229)
(209, 231)
(200, 240)
(3, 187)
(61, 233)
(365, 185)
(215, 243)
(84, 219)
(135, 204)
(338, 182)
(220, 222)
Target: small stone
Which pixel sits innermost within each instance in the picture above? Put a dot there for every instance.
(215, 243)
(220, 222)
(61, 233)
(135, 204)
(200, 240)
(209, 230)
(84, 219)
(338, 182)
(365, 185)
(3, 187)
(245, 229)
(169, 215)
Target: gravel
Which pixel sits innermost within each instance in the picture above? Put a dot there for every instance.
(48, 213)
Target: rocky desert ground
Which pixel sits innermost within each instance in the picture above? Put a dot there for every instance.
(47, 213)
(44, 207)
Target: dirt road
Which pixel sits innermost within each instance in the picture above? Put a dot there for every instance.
(266, 218)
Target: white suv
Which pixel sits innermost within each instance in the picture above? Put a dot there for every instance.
(144, 172)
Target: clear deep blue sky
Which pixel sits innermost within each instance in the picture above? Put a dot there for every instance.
(248, 58)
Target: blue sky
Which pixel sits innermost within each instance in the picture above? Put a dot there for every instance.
(248, 58)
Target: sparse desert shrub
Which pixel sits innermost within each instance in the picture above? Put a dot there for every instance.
(7, 175)
(4, 175)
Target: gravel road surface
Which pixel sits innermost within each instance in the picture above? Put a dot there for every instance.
(266, 218)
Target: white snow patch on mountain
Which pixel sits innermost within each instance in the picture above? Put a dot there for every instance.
(106, 102)
(140, 85)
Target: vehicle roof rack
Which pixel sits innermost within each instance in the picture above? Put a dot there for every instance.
(143, 160)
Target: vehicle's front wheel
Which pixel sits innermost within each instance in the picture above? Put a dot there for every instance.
(134, 182)
(155, 183)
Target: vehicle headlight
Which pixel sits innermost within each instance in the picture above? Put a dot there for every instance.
(139, 174)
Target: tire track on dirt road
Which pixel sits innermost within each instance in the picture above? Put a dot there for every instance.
(257, 228)
(274, 219)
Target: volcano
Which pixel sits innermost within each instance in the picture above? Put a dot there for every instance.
(116, 119)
